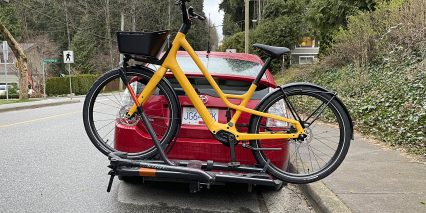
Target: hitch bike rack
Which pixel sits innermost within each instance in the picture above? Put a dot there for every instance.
(196, 173)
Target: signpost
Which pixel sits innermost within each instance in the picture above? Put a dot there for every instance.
(69, 59)
(47, 61)
(5, 58)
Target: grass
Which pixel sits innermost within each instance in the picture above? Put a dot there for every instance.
(12, 101)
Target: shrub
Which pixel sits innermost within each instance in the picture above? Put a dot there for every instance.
(11, 96)
(13, 90)
(235, 41)
(80, 84)
(12, 93)
(385, 101)
(372, 37)
(84, 82)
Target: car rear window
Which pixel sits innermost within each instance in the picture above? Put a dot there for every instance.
(221, 66)
(227, 86)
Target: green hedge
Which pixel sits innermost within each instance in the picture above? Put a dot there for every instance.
(11, 96)
(80, 84)
(13, 92)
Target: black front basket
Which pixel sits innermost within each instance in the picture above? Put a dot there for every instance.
(146, 45)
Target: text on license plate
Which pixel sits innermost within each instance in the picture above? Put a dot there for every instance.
(190, 116)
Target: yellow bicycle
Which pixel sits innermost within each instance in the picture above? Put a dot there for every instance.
(312, 120)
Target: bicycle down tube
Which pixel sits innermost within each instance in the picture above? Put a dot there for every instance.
(171, 63)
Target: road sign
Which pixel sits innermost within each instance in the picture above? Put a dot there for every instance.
(68, 57)
(5, 51)
(51, 60)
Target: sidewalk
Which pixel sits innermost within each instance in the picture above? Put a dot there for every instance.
(38, 103)
(374, 178)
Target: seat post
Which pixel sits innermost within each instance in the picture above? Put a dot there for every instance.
(262, 71)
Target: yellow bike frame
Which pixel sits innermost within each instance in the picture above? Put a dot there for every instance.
(171, 63)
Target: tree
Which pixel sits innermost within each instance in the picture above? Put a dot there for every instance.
(327, 16)
(286, 32)
(21, 59)
(93, 24)
(235, 41)
(9, 17)
(281, 26)
(233, 20)
(85, 49)
(213, 36)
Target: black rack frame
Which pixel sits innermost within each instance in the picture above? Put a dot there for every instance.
(222, 173)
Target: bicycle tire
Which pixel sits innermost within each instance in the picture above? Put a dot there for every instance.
(298, 174)
(142, 75)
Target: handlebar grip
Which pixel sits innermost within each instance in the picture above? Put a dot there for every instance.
(200, 17)
(195, 15)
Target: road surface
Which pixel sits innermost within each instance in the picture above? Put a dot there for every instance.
(48, 164)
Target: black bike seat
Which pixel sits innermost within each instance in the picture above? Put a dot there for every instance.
(274, 52)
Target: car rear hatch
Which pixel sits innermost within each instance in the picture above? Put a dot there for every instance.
(192, 124)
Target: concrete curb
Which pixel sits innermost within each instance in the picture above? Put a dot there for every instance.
(35, 105)
(322, 198)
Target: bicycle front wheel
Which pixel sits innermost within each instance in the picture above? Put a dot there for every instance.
(327, 127)
(105, 114)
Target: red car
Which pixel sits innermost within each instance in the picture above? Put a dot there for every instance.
(234, 73)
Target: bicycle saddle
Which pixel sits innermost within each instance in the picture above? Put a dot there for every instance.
(274, 52)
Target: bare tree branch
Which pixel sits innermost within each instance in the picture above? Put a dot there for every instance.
(21, 58)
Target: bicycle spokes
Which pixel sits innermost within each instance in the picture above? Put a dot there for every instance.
(327, 134)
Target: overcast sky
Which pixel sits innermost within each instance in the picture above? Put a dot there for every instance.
(212, 7)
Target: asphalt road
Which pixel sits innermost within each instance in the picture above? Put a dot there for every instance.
(48, 164)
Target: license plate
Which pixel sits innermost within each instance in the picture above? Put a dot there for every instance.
(190, 116)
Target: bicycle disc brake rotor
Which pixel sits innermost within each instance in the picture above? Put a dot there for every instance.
(309, 133)
(124, 119)
(306, 141)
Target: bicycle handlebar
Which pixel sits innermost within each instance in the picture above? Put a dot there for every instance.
(192, 14)
(188, 14)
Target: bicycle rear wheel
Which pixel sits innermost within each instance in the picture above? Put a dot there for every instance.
(326, 124)
(111, 130)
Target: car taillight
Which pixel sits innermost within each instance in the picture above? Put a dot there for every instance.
(277, 109)
(137, 87)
